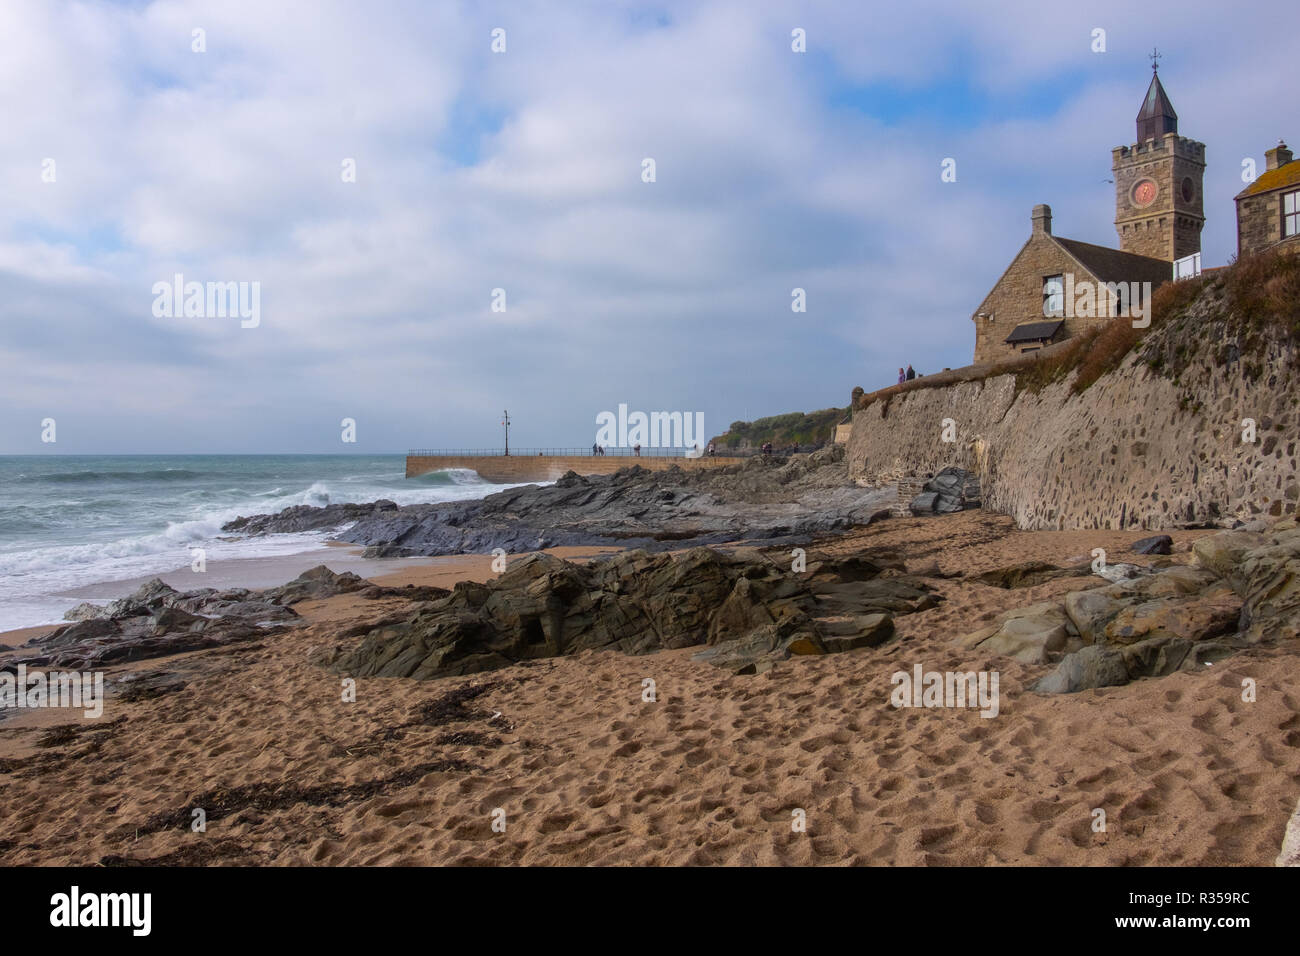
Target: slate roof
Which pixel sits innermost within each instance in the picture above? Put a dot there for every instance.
(1034, 331)
(1115, 265)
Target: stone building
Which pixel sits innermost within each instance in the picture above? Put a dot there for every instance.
(1056, 287)
(1268, 210)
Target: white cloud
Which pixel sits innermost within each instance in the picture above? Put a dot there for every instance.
(522, 171)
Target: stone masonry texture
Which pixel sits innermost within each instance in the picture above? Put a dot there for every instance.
(1137, 449)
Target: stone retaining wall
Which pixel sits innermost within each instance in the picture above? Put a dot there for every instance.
(1137, 449)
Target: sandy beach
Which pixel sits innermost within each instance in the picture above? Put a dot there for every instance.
(713, 771)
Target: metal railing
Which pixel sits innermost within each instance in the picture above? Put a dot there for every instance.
(586, 452)
(534, 452)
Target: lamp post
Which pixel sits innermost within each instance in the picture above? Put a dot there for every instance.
(505, 423)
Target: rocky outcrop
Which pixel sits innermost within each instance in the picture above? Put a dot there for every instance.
(950, 491)
(302, 518)
(763, 500)
(155, 621)
(319, 582)
(155, 595)
(1156, 544)
(1244, 588)
(1031, 635)
(1268, 578)
(158, 620)
(1144, 446)
(751, 610)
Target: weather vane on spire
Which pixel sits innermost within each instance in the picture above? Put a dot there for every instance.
(1154, 57)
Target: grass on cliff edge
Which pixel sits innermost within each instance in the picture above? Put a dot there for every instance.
(792, 428)
(1257, 298)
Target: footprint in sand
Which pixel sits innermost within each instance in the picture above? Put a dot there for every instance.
(814, 744)
(554, 822)
(889, 787)
(1133, 815)
(1095, 781)
(888, 761)
(1081, 833)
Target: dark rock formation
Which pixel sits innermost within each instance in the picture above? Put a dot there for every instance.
(1156, 544)
(158, 621)
(301, 518)
(319, 582)
(763, 500)
(952, 490)
(749, 608)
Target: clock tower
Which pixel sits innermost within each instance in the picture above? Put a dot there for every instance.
(1159, 205)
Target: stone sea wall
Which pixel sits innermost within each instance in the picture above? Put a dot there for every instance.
(1143, 447)
(518, 468)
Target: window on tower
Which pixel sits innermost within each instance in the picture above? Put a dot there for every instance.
(1291, 214)
(1054, 296)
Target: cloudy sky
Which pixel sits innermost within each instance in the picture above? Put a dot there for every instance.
(522, 170)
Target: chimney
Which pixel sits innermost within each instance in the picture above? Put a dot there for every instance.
(1042, 219)
(1277, 156)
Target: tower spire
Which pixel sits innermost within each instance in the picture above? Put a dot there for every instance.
(1157, 115)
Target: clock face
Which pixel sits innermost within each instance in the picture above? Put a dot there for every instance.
(1144, 193)
(1189, 189)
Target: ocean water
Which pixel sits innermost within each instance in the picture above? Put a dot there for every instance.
(71, 521)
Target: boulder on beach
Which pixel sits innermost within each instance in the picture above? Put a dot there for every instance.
(315, 584)
(1156, 544)
(1030, 635)
(749, 610)
(1243, 588)
(157, 620)
(951, 490)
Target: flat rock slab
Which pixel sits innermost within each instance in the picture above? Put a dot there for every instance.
(763, 500)
(750, 610)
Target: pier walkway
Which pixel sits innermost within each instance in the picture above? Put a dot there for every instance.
(548, 464)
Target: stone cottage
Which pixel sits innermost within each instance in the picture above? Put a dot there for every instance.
(1268, 210)
(1056, 288)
